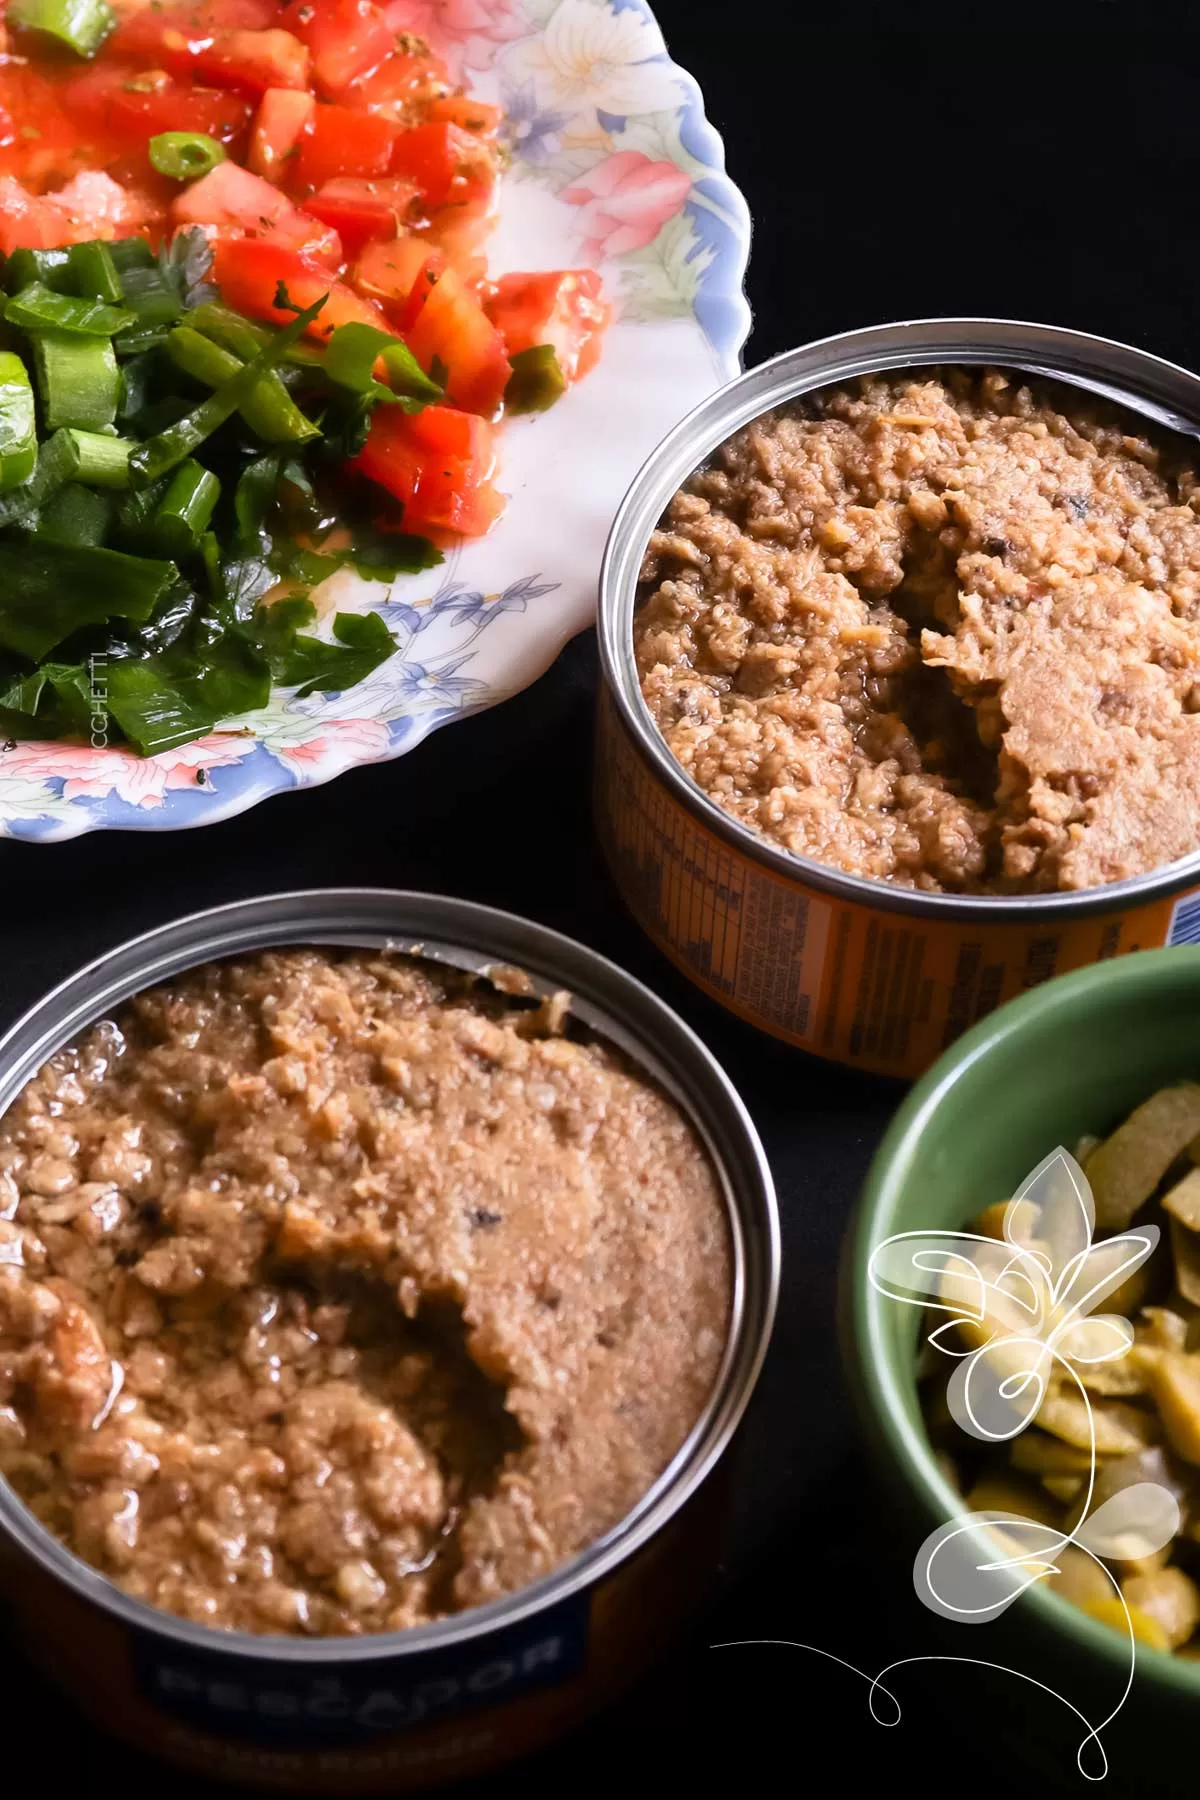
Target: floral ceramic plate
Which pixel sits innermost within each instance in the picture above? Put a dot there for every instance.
(613, 165)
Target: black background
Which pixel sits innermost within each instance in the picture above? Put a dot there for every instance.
(1040, 165)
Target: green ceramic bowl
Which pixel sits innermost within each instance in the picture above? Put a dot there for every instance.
(1071, 1057)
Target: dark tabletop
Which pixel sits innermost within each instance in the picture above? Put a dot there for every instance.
(893, 170)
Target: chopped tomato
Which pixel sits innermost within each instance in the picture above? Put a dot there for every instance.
(339, 142)
(398, 83)
(399, 275)
(157, 33)
(467, 114)
(453, 328)
(460, 231)
(566, 310)
(448, 163)
(27, 222)
(361, 210)
(438, 463)
(230, 198)
(283, 116)
(91, 205)
(347, 38)
(248, 272)
(254, 61)
(136, 107)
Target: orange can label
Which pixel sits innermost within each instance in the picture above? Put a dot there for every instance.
(881, 990)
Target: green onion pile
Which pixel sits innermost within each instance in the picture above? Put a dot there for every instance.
(165, 464)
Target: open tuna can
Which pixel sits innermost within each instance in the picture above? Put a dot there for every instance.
(505, 1667)
(877, 973)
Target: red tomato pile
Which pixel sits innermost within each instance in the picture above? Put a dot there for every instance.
(354, 170)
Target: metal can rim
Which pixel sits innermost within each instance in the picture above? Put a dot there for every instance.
(1162, 391)
(622, 1011)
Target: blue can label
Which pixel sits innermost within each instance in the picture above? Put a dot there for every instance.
(319, 1705)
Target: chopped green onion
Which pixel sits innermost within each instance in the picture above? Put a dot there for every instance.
(184, 155)
(103, 461)
(352, 353)
(136, 510)
(150, 297)
(131, 253)
(79, 25)
(536, 381)
(50, 268)
(78, 380)
(94, 273)
(183, 514)
(38, 308)
(268, 409)
(245, 338)
(57, 463)
(18, 425)
(52, 590)
(136, 375)
(154, 708)
(77, 515)
(173, 446)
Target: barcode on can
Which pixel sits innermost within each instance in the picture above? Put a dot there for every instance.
(1185, 920)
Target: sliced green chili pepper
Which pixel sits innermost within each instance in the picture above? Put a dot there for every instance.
(80, 25)
(78, 380)
(18, 425)
(39, 308)
(185, 155)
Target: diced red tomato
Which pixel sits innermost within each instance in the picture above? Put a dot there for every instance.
(398, 83)
(347, 38)
(460, 232)
(399, 275)
(283, 116)
(448, 163)
(469, 115)
(253, 61)
(565, 309)
(248, 271)
(340, 142)
(438, 463)
(27, 222)
(230, 198)
(164, 37)
(453, 327)
(136, 107)
(361, 210)
(91, 205)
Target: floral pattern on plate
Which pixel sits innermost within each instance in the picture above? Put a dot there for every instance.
(613, 164)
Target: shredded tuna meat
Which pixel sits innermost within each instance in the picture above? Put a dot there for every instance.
(338, 1293)
(940, 629)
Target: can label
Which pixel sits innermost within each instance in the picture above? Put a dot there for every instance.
(310, 1707)
(883, 991)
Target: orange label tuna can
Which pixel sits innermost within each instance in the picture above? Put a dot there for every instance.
(403, 1710)
(862, 972)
